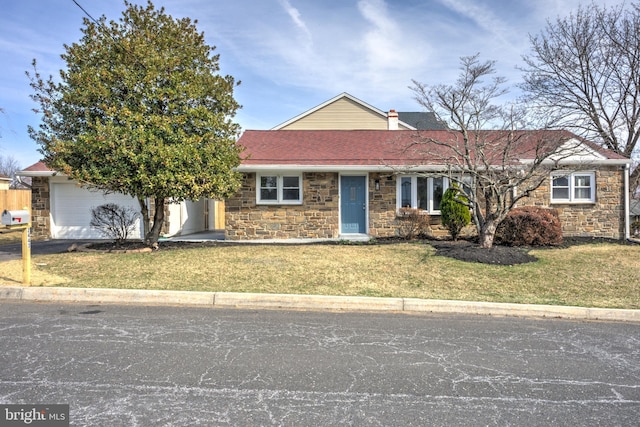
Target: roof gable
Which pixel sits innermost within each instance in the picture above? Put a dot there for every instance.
(343, 112)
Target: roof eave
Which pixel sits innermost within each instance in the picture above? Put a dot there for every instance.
(33, 174)
(337, 168)
(584, 162)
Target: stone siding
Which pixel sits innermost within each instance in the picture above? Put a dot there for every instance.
(382, 206)
(316, 217)
(40, 208)
(604, 218)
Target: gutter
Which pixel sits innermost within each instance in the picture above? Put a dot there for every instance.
(38, 173)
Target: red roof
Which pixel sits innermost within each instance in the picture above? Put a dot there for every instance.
(383, 147)
(38, 167)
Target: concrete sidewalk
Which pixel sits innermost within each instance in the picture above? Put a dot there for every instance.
(307, 302)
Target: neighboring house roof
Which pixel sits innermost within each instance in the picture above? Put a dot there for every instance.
(376, 149)
(422, 120)
(4, 177)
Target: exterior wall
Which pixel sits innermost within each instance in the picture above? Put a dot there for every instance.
(317, 217)
(382, 206)
(342, 114)
(604, 218)
(40, 208)
(383, 218)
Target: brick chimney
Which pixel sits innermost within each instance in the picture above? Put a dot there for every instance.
(392, 120)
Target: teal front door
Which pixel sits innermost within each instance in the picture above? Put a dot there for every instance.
(353, 204)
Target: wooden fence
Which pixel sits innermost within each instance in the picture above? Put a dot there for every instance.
(15, 200)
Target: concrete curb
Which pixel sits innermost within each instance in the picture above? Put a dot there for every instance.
(307, 302)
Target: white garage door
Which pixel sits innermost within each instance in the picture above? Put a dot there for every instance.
(71, 211)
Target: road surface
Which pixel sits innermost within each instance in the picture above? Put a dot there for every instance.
(151, 366)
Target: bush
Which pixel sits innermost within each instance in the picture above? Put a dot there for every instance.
(114, 221)
(635, 228)
(455, 215)
(412, 223)
(530, 226)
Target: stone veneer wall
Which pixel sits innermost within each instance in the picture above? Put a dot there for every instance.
(316, 217)
(40, 208)
(604, 218)
(383, 219)
(382, 206)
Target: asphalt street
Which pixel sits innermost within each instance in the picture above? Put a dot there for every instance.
(150, 366)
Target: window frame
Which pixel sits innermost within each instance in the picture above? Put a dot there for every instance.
(572, 187)
(280, 189)
(414, 192)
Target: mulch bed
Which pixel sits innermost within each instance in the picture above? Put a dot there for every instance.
(471, 252)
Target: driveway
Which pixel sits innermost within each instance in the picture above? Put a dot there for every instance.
(40, 247)
(57, 246)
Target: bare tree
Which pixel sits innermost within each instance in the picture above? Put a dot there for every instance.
(114, 221)
(583, 75)
(8, 167)
(485, 151)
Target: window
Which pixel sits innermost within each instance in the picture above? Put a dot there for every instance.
(421, 192)
(576, 187)
(279, 189)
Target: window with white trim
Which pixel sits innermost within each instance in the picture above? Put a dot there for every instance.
(279, 189)
(419, 192)
(575, 187)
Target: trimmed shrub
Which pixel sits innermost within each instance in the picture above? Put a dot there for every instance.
(530, 226)
(455, 215)
(412, 223)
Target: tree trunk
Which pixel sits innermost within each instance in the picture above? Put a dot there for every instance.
(146, 222)
(158, 219)
(487, 233)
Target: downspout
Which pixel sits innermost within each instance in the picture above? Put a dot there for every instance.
(627, 231)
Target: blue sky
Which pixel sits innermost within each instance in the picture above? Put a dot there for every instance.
(290, 55)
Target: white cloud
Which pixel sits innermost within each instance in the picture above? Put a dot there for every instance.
(381, 41)
(296, 17)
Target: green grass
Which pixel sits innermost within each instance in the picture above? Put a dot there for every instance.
(593, 275)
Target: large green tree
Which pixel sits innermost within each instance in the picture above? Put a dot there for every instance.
(141, 109)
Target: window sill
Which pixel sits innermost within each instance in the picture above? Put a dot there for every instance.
(296, 203)
(572, 202)
(407, 213)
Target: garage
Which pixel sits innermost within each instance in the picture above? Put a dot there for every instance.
(71, 207)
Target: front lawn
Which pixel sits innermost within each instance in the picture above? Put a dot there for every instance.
(590, 275)
(9, 237)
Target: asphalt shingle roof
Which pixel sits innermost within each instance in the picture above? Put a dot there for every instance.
(381, 147)
(421, 120)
